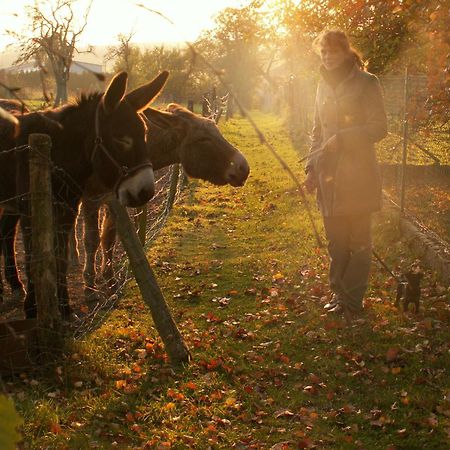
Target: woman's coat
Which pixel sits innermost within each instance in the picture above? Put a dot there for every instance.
(349, 179)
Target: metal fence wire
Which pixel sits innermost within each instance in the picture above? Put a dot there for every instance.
(414, 157)
(90, 310)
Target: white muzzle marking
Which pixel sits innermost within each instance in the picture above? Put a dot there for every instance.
(138, 188)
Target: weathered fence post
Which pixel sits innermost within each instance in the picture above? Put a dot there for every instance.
(229, 112)
(205, 105)
(43, 261)
(405, 143)
(151, 293)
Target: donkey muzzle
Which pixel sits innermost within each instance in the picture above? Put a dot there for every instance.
(238, 171)
(137, 187)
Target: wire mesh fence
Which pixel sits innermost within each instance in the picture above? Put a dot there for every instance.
(169, 184)
(97, 274)
(414, 157)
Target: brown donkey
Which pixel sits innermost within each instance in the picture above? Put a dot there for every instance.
(174, 136)
(101, 137)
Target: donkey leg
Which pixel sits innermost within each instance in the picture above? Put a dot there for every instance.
(8, 230)
(64, 222)
(91, 242)
(1, 289)
(74, 254)
(108, 241)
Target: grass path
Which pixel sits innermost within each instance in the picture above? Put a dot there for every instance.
(246, 284)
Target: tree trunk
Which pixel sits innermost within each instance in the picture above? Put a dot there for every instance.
(151, 293)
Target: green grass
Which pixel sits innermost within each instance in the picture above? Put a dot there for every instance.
(246, 282)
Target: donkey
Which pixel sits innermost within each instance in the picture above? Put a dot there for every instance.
(174, 136)
(101, 137)
(9, 130)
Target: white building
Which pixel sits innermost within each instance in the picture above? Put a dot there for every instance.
(77, 67)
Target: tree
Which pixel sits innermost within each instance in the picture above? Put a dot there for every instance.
(126, 57)
(52, 39)
(234, 47)
(378, 29)
(176, 61)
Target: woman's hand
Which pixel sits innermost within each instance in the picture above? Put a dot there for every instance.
(310, 182)
(331, 145)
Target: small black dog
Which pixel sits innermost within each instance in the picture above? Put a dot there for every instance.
(408, 290)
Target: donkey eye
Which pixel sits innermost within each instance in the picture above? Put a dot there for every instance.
(124, 141)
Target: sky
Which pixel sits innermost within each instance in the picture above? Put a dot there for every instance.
(108, 18)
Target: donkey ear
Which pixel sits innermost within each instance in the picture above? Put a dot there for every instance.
(141, 97)
(115, 92)
(160, 119)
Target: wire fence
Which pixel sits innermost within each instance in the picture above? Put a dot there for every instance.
(169, 184)
(108, 265)
(414, 157)
(18, 336)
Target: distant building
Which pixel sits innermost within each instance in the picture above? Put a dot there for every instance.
(77, 67)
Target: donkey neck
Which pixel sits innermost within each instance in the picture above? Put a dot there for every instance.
(75, 142)
(164, 146)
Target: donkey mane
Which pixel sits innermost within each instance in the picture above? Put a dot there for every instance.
(84, 106)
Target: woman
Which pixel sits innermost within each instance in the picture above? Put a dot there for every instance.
(349, 119)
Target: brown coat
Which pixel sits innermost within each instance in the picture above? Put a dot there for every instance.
(348, 180)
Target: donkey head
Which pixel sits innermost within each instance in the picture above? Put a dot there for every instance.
(120, 158)
(203, 151)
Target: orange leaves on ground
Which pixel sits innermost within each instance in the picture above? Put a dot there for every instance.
(211, 317)
(190, 385)
(282, 358)
(392, 354)
(305, 443)
(231, 402)
(169, 406)
(215, 364)
(120, 384)
(55, 428)
(278, 278)
(175, 395)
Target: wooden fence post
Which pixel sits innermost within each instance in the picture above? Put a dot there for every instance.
(43, 261)
(230, 107)
(151, 293)
(205, 105)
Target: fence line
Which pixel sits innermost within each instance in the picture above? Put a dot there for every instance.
(168, 189)
(414, 157)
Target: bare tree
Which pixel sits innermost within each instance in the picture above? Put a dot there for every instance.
(125, 56)
(54, 36)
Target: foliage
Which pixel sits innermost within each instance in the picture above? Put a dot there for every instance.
(9, 424)
(233, 48)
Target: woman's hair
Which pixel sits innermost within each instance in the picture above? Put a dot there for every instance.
(337, 39)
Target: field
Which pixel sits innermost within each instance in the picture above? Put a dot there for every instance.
(246, 283)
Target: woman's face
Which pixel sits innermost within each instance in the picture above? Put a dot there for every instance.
(332, 57)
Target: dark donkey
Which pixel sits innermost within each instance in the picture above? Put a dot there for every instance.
(100, 137)
(174, 136)
(9, 131)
